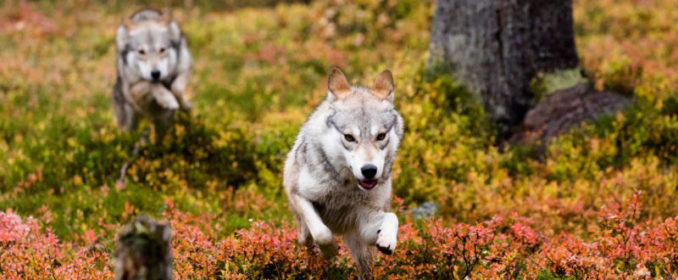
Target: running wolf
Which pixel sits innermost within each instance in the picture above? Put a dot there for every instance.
(337, 177)
(153, 68)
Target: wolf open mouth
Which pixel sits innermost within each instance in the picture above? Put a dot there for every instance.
(367, 184)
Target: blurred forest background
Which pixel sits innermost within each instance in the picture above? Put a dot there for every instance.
(595, 201)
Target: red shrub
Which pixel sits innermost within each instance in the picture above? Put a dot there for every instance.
(622, 246)
(26, 252)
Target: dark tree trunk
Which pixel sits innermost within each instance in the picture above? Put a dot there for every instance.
(496, 48)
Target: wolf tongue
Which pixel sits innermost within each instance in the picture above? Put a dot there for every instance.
(368, 184)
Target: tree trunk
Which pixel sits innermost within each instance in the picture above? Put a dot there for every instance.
(497, 47)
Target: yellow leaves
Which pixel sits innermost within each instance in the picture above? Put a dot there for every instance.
(18, 138)
(77, 180)
(72, 142)
(552, 190)
(659, 104)
(41, 125)
(69, 156)
(179, 131)
(223, 139)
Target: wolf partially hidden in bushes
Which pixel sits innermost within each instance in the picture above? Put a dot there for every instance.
(153, 68)
(338, 174)
(143, 251)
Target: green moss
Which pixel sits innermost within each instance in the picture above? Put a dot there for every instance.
(547, 83)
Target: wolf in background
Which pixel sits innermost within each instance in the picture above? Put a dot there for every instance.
(337, 176)
(153, 68)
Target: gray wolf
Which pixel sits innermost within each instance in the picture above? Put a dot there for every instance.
(337, 176)
(143, 250)
(153, 68)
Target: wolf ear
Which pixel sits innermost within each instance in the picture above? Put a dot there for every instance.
(337, 84)
(121, 36)
(383, 85)
(166, 17)
(127, 23)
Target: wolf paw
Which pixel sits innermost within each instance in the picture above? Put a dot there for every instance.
(386, 241)
(329, 250)
(325, 241)
(167, 102)
(186, 106)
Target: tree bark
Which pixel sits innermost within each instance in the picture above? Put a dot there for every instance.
(497, 47)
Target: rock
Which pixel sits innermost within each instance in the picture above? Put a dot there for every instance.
(426, 209)
(564, 109)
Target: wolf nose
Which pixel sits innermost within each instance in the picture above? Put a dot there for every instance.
(369, 170)
(155, 74)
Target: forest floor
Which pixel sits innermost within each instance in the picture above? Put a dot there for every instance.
(597, 202)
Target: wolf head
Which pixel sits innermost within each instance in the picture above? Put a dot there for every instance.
(147, 43)
(365, 126)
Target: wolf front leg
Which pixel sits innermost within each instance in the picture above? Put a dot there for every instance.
(304, 236)
(375, 228)
(139, 91)
(127, 118)
(381, 229)
(125, 114)
(322, 235)
(179, 90)
(164, 97)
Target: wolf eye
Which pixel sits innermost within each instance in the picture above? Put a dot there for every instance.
(349, 138)
(142, 52)
(381, 136)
